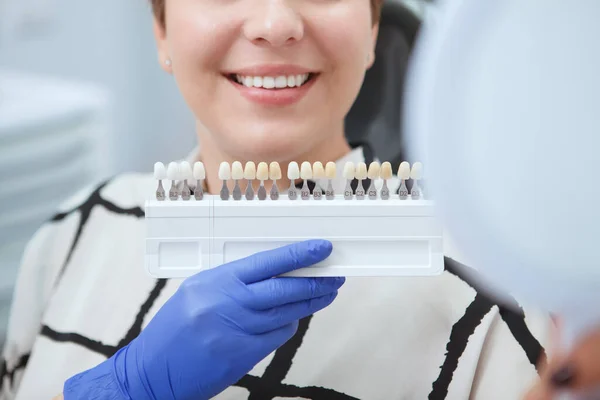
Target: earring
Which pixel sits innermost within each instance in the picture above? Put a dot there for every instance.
(168, 62)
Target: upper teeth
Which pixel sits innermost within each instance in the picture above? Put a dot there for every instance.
(270, 82)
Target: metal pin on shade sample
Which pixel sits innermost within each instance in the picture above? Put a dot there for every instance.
(360, 175)
(173, 175)
(224, 175)
(293, 174)
(185, 172)
(404, 175)
(274, 175)
(237, 174)
(249, 175)
(199, 176)
(262, 174)
(305, 175)
(373, 175)
(160, 174)
(385, 174)
(416, 174)
(330, 173)
(318, 174)
(349, 173)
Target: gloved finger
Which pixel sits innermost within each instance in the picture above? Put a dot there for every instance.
(275, 318)
(268, 264)
(276, 292)
(272, 340)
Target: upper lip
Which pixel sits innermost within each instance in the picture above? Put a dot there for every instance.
(270, 70)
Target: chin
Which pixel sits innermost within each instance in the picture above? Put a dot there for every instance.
(280, 145)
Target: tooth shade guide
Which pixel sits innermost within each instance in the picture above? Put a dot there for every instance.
(224, 231)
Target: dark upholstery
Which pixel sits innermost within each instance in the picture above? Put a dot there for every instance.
(376, 117)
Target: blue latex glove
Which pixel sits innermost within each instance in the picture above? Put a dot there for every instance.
(217, 326)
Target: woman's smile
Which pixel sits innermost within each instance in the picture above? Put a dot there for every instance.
(273, 85)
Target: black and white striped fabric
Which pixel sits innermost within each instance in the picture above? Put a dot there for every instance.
(83, 293)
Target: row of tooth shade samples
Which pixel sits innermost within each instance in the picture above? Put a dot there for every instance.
(185, 173)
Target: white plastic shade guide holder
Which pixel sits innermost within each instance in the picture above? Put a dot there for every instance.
(374, 238)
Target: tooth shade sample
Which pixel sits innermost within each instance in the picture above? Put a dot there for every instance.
(318, 170)
(330, 170)
(306, 171)
(185, 170)
(173, 171)
(386, 171)
(262, 173)
(293, 171)
(237, 171)
(274, 171)
(199, 171)
(160, 172)
(361, 171)
(404, 171)
(374, 170)
(417, 171)
(250, 171)
(349, 172)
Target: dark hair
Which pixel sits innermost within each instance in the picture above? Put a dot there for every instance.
(158, 6)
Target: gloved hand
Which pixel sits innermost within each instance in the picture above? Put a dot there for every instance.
(217, 326)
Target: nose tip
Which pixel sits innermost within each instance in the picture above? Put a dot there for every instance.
(276, 25)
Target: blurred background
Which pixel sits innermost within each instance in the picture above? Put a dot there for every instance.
(81, 98)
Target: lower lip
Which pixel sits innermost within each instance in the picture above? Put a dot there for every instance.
(275, 97)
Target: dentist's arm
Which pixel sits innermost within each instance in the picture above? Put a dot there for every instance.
(215, 329)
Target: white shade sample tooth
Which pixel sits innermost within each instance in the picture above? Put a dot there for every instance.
(318, 170)
(417, 171)
(386, 171)
(374, 170)
(250, 171)
(330, 170)
(361, 171)
(173, 171)
(404, 171)
(185, 170)
(262, 173)
(224, 171)
(293, 171)
(237, 171)
(349, 171)
(199, 171)
(306, 170)
(274, 171)
(160, 171)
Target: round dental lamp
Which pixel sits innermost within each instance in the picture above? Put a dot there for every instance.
(503, 108)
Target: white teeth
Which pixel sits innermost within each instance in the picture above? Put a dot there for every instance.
(270, 82)
(281, 82)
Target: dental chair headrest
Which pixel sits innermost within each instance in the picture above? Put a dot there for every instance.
(376, 116)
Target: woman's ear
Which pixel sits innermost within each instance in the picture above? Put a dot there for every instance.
(160, 35)
(371, 54)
